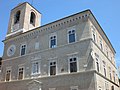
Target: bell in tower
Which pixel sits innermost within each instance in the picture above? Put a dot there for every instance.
(23, 18)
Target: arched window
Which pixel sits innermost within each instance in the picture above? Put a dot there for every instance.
(17, 17)
(32, 18)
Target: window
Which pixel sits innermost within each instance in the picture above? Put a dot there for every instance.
(101, 44)
(97, 64)
(20, 73)
(37, 45)
(74, 88)
(107, 51)
(35, 68)
(110, 73)
(32, 18)
(94, 39)
(23, 50)
(8, 75)
(106, 86)
(71, 36)
(104, 68)
(112, 87)
(93, 34)
(73, 64)
(17, 17)
(53, 68)
(114, 76)
(53, 41)
(99, 88)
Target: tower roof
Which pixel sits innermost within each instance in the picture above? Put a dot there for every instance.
(20, 4)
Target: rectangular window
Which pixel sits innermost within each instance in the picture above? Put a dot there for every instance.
(93, 33)
(101, 44)
(20, 73)
(73, 64)
(37, 45)
(104, 68)
(23, 50)
(106, 86)
(94, 39)
(105, 72)
(97, 64)
(53, 41)
(112, 87)
(107, 51)
(52, 68)
(114, 76)
(35, 68)
(71, 36)
(8, 75)
(110, 73)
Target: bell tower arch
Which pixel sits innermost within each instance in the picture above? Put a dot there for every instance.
(23, 18)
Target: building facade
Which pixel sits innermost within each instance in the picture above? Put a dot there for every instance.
(72, 53)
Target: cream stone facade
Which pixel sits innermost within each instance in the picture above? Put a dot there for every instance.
(72, 53)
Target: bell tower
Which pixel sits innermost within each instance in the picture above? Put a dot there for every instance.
(23, 18)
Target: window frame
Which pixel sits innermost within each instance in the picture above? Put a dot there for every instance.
(94, 34)
(33, 63)
(33, 21)
(104, 69)
(7, 69)
(23, 72)
(74, 56)
(97, 60)
(97, 64)
(101, 43)
(55, 65)
(52, 35)
(110, 73)
(106, 85)
(15, 17)
(21, 49)
(37, 46)
(69, 37)
(114, 76)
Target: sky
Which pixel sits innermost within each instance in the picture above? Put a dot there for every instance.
(107, 12)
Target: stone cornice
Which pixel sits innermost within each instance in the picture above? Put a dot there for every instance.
(56, 25)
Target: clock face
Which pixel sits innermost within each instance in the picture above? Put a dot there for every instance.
(11, 50)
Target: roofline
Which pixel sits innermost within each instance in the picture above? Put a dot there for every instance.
(66, 17)
(102, 30)
(88, 10)
(52, 22)
(26, 3)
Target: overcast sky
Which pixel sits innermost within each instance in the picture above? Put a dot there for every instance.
(107, 13)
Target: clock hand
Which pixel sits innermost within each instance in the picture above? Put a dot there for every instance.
(11, 50)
